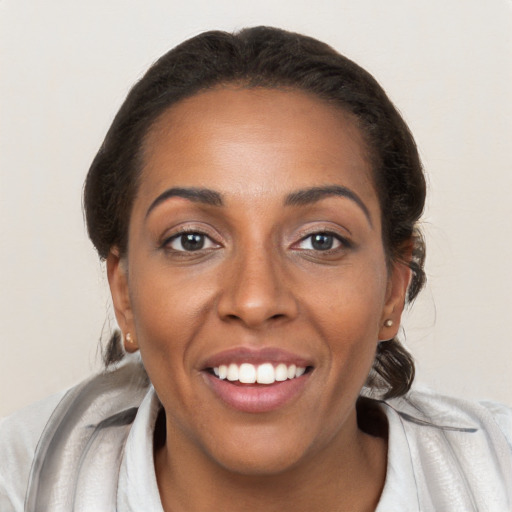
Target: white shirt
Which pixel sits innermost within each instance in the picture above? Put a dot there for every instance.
(444, 454)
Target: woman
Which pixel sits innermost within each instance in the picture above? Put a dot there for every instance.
(256, 201)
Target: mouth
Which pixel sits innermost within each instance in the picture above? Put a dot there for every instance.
(266, 373)
(257, 381)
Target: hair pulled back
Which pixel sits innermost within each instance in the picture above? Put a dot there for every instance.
(271, 58)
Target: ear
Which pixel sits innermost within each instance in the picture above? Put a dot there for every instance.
(396, 293)
(118, 281)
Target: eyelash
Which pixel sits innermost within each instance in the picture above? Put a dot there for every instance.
(167, 243)
(341, 242)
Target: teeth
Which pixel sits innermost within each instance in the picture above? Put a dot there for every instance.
(281, 372)
(265, 373)
(247, 373)
(232, 372)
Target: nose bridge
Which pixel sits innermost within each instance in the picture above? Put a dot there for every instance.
(256, 289)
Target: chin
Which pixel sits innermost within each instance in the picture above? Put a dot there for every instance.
(260, 451)
(258, 464)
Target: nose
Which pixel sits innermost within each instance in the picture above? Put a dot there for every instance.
(256, 291)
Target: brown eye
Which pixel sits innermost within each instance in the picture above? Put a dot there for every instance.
(190, 242)
(321, 242)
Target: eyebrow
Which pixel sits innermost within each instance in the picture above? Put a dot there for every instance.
(298, 198)
(197, 195)
(315, 194)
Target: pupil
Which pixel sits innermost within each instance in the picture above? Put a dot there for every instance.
(322, 242)
(192, 241)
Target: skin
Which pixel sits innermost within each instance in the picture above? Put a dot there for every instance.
(259, 282)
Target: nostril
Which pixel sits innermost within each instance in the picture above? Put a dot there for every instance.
(254, 320)
(233, 316)
(256, 304)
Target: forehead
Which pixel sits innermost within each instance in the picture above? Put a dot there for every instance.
(255, 141)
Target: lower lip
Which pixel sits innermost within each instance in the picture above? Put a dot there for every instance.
(257, 398)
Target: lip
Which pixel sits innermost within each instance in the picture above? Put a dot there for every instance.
(256, 398)
(255, 356)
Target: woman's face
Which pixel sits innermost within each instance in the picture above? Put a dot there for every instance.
(255, 252)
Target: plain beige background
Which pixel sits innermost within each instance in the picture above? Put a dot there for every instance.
(65, 67)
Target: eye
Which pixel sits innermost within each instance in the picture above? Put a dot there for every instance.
(322, 241)
(190, 241)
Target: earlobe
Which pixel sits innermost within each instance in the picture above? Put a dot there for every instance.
(130, 343)
(396, 294)
(117, 274)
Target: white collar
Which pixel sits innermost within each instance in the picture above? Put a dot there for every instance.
(138, 488)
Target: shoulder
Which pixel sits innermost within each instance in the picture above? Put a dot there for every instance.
(458, 420)
(49, 437)
(460, 449)
(450, 414)
(502, 415)
(19, 436)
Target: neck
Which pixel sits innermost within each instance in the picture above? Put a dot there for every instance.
(347, 474)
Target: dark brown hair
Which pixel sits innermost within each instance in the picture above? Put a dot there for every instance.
(271, 58)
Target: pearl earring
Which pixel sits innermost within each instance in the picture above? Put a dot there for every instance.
(388, 323)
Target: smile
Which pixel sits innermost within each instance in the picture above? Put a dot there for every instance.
(266, 373)
(257, 381)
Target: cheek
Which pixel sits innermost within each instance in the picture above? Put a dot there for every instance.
(165, 298)
(165, 325)
(348, 314)
(167, 311)
(350, 303)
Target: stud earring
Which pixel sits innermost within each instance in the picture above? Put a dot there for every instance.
(388, 323)
(129, 338)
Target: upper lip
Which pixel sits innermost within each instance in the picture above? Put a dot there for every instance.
(255, 356)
